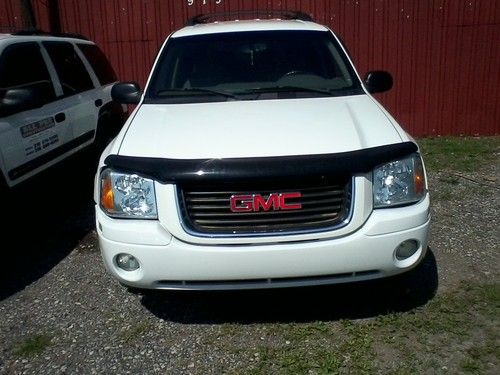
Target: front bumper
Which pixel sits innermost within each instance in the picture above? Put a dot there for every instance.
(169, 263)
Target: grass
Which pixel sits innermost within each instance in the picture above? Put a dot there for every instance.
(465, 154)
(461, 322)
(316, 347)
(473, 363)
(32, 345)
(136, 331)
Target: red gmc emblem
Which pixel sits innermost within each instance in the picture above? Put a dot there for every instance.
(256, 202)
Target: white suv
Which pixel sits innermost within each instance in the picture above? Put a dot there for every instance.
(257, 158)
(55, 99)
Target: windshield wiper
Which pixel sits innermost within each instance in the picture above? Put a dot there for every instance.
(287, 88)
(197, 90)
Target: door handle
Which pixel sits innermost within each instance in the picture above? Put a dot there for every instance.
(98, 102)
(60, 117)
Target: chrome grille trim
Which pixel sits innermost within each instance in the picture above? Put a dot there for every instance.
(285, 282)
(261, 230)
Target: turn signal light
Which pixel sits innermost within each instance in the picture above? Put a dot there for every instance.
(107, 196)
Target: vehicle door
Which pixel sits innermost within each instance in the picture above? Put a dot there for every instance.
(77, 89)
(31, 136)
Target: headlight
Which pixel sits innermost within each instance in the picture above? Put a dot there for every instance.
(399, 182)
(125, 195)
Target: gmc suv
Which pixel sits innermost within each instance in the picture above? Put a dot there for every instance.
(256, 158)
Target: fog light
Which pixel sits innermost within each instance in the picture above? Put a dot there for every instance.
(406, 249)
(127, 262)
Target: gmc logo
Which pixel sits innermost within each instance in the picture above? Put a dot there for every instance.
(256, 202)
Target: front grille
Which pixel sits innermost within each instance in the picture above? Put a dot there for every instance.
(208, 211)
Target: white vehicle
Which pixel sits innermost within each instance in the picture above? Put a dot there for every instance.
(257, 158)
(55, 99)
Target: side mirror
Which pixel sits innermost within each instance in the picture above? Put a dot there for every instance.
(19, 100)
(378, 81)
(126, 93)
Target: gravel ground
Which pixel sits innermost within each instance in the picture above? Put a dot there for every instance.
(62, 314)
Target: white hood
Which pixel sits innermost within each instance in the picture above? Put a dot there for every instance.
(239, 129)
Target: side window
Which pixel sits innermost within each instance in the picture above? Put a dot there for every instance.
(99, 63)
(69, 67)
(22, 66)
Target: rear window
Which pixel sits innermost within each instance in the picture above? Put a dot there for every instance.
(102, 68)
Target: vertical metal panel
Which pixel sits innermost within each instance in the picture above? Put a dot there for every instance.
(444, 54)
(10, 16)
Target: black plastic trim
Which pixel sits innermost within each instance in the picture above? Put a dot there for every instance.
(25, 168)
(264, 168)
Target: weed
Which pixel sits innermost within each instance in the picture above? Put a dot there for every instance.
(299, 332)
(135, 331)
(450, 179)
(32, 346)
(331, 364)
(470, 365)
(228, 329)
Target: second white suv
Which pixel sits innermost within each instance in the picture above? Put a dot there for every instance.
(258, 158)
(55, 99)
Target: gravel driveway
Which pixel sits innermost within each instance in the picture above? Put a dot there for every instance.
(61, 313)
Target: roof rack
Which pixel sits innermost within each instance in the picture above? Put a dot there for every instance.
(249, 14)
(45, 33)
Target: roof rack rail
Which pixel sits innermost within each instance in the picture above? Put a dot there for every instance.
(249, 14)
(45, 33)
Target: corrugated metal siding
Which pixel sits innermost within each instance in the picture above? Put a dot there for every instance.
(444, 54)
(10, 16)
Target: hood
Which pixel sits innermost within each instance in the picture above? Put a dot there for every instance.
(260, 128)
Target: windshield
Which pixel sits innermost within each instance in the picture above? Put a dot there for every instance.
(252, 65)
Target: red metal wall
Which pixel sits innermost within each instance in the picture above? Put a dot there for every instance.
(444, 54)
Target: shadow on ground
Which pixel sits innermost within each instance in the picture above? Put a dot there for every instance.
(347, 301)
(44, 219)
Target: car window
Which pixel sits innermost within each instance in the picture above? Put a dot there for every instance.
(99, 63)
(22, 66)
(246, 62)
(69, 67)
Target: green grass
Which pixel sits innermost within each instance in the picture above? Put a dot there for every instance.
(473, 363)
(319, 348)
(32, 346)
(461, 154)
(470, 366)
(465, 319)
(136, 331)
(462, 321)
